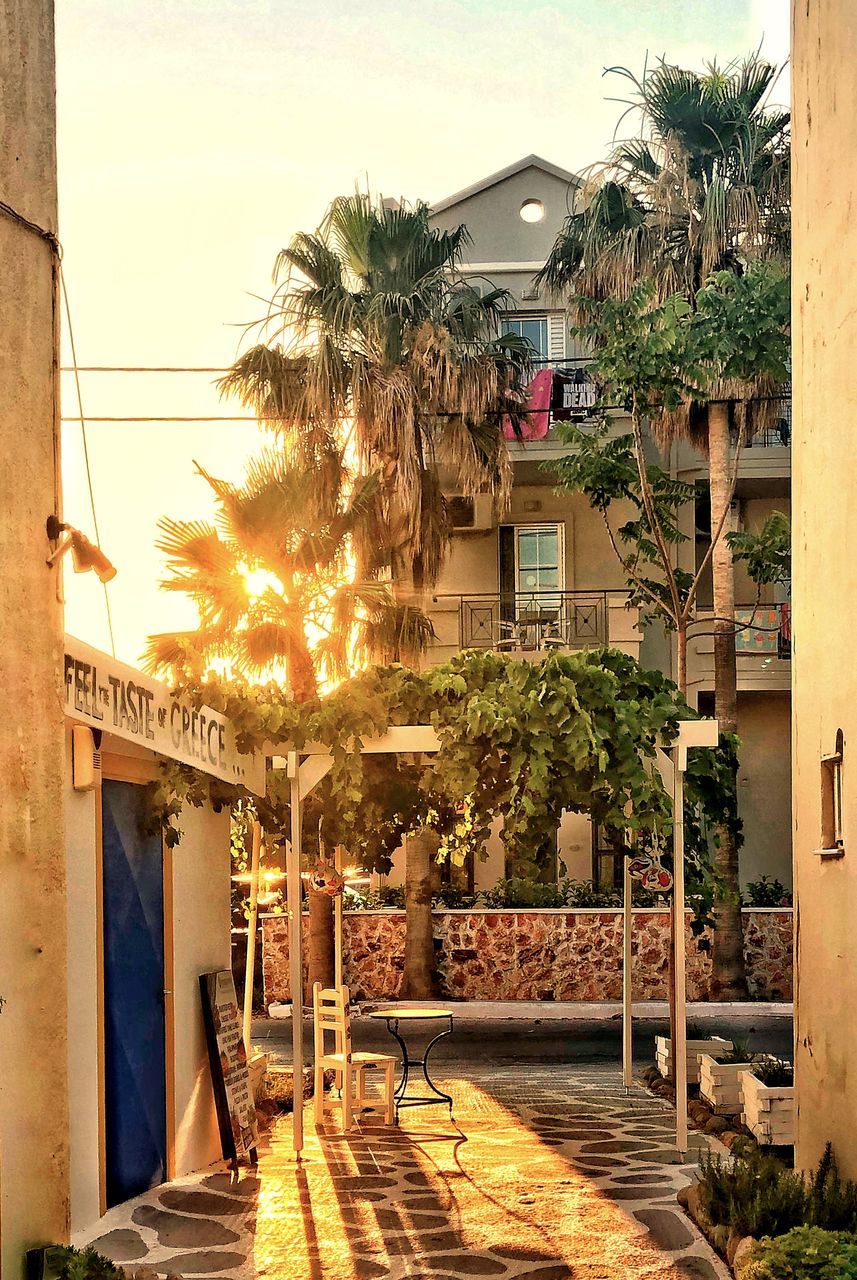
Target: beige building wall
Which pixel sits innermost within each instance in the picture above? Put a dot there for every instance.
(764, 785)
(84, 983)
(824, 294)
(34, 1180)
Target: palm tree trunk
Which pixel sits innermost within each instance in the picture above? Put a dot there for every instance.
(728, 977)
(418, 982)
(321, 941)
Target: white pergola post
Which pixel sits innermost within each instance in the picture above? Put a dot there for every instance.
(680, 1048)
(337, 923)
(252, 926)
(627, 977)
(296, 977)
(692, 733)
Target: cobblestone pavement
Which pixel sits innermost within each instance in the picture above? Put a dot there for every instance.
(550, 1173)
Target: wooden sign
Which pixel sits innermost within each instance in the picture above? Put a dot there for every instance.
(107, 695)
(233, 1097)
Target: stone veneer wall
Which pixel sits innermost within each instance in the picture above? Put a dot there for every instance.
(535, 955)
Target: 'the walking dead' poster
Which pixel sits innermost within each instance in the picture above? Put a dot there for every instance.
(236, 1110)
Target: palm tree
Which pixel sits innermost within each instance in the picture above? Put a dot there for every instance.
(285, 585)
(703, 188)
(374, 337)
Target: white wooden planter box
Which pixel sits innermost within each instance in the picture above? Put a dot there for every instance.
(715, 1046)
(720, 1084)
(769, 1112)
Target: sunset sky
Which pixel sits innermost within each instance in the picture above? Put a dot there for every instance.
(197, 136)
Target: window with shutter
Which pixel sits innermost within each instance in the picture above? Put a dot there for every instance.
(556, 337)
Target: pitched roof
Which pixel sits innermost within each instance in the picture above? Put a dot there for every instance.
(531, 161)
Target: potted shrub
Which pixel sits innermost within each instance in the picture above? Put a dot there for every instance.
(768, 1096)
(720, 1078)
(714, 1046)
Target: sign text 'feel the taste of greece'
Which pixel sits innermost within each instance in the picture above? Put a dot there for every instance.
(107, 695)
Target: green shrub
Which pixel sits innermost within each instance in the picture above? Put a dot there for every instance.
(740, 1052)
(758, 1196)
(765, 892)
(517, 891)
(448, 898)
(64, 1262)
(755, 1197)
(806, 1253)
(833, 1201)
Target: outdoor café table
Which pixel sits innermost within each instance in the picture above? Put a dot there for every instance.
(406, 1018)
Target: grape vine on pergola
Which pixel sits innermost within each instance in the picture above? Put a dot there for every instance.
(591, 731)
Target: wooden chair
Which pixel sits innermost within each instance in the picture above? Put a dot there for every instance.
(332, 1017)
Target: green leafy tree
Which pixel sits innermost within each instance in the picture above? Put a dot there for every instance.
(768, 553)
(374, 337)
(656, 359)
(702, 189)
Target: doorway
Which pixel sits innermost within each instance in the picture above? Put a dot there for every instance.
(135, 1126)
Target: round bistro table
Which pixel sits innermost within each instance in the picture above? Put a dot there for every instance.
(409, 1017)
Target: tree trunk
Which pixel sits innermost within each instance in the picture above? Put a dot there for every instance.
(418, 982)
(321, 942)
(728, 978)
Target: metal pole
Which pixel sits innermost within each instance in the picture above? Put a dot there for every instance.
(293, 880)
(627, 978)
(679, 1048)
(337, 923)
(252, 926)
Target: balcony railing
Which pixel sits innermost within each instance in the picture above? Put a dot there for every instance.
(764, 629)
(522, 622)
(778, 432)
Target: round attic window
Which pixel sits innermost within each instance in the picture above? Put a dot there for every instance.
(532, 211)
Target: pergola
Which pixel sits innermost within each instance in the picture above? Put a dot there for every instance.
(307, 767)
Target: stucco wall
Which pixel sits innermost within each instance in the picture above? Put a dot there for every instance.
(492, 216)
(824, 318)
(535, 955)
(84, 982)
(34, 1181)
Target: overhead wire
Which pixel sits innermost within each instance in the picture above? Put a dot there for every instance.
(82, 420)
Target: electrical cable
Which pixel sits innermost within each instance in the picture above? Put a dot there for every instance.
(82, 421)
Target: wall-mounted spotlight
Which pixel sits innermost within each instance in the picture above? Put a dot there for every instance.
(85, 554)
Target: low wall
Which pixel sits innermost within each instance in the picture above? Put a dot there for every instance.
(536, 955)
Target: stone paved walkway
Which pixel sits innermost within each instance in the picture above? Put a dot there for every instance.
(555, 1174)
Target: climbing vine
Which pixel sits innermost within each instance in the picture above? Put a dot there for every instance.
(521, 740)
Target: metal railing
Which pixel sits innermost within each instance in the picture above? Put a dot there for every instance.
(578, 400)
(531, 621)
(764, 629)
(777, 433)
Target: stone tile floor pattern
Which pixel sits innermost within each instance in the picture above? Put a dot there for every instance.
(553, 1173)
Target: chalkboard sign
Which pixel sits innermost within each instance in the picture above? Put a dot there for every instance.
(236, 1110)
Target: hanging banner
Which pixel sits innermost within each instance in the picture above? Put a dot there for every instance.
(108, 695)
(227, 1056)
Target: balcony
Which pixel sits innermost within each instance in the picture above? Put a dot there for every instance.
(763, 645)
(532, 624)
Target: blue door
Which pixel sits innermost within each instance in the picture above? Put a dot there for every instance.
(134, 1049)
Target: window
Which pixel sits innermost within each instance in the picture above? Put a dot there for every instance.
(537, 558)
(832, 833)
(532, 210)
(607, 858)
(533, 328)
